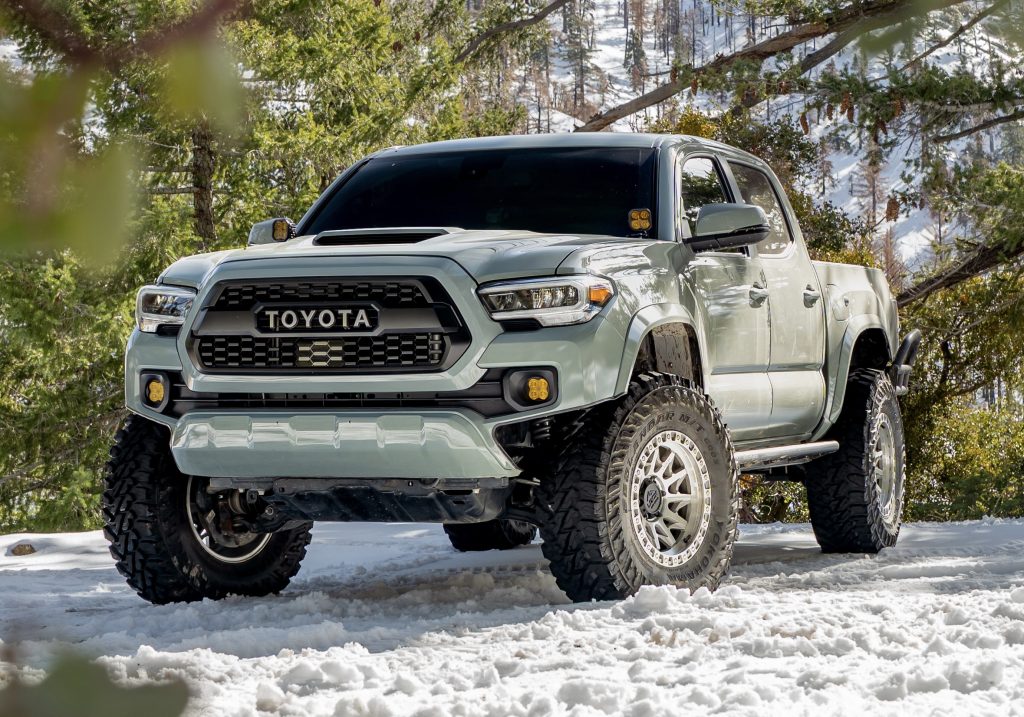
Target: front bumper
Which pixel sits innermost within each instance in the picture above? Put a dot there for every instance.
(380, 443)
(356, 444)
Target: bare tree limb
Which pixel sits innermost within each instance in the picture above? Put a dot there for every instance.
(850, 23)
(955, 34)
(475, 44)
(981, 126)
(171, 190)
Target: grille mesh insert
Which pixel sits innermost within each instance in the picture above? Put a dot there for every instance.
(394, 294)
(388, 351)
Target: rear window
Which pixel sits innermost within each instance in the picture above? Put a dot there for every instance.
(570, 191)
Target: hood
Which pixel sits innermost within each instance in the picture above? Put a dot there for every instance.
(486, 255)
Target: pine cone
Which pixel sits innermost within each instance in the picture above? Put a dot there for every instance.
(847, 102)
(892, 209)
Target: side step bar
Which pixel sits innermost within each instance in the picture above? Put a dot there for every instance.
(758, 459)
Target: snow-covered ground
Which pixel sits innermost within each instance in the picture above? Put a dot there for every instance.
(389, 620)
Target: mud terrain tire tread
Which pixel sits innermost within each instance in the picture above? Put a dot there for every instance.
(583, 540)
(845, 514)
(143, 516)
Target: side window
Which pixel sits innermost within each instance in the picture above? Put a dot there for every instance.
(755, 188)
(700, 184)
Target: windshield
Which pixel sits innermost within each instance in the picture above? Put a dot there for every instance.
(565, 191)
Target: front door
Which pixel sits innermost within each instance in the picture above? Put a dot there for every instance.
(796, 311)
(731, 294)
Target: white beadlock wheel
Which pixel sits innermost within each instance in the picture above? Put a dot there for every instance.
(670, 498)
(888, 479)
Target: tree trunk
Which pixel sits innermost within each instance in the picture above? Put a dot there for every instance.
(203, 164)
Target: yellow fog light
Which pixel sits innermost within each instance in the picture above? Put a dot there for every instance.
(538, 389)
(639, 219)
(155, 392)
(528, 388)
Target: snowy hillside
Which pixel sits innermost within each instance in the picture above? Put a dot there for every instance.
(389, 620)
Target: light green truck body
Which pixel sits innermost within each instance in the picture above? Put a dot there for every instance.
(771, 339)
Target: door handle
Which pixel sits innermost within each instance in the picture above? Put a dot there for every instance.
(758, 294)
(811, 296)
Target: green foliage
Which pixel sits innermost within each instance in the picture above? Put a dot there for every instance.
(970, 463)
(323, 84)
(76, 687)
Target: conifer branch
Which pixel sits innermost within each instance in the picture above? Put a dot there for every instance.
(980, 127)
(66, 40)
(474, 44)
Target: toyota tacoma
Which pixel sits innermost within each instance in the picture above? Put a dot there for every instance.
(592, 336)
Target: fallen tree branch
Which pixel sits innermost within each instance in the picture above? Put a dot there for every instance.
(983, 259)
(955, 34)
(850, 23)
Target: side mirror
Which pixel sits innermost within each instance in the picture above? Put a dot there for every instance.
(271, 231)
(727, 226)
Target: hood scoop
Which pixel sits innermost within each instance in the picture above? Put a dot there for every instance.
(382, 235)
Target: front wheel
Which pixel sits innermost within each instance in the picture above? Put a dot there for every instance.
(855, 496)
(643, 493)
(176, 541)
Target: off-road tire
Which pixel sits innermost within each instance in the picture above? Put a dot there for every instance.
(500, 534)
(145, 521)
(842, 496)
(593, 550)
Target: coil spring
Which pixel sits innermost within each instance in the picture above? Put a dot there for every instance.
(541, 430)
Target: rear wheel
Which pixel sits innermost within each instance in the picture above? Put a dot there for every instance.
(644, 492)
(855, 495)
(174, 540)
(498, 534)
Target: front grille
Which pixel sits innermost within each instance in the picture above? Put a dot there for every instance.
(387, 351)
(419, 328)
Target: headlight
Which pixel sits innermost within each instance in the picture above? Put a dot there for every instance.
(552, 302)
(158, 306)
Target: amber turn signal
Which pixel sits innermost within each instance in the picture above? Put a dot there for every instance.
(599, 294)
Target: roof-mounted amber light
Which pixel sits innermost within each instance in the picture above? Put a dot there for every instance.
(640, 219)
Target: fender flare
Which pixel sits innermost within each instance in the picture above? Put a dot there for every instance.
(840, 372)
(643, 322)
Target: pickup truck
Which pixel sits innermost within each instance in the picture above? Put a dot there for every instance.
(592, 335)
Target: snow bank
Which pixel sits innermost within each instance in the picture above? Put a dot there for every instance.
(388, 620)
